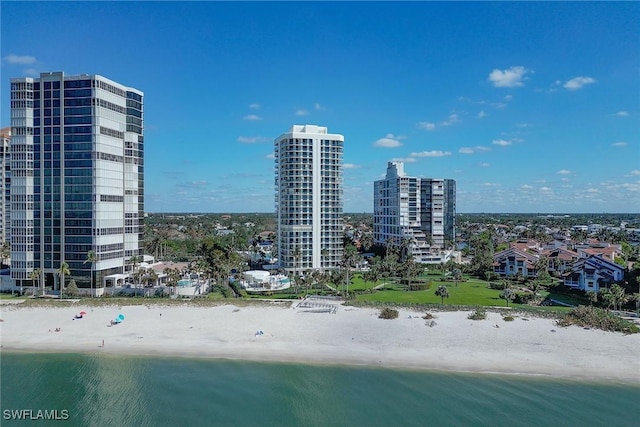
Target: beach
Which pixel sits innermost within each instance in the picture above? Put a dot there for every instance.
(287, 332)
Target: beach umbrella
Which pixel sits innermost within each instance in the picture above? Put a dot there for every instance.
(83, 312)
(121, 317)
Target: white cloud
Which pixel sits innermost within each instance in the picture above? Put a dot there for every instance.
(453, 118)
(511, 77)
(270, 156)
(427, 125)
(470, 150)
(389, 141)
(622, 113)
(31, 72)
(578, 82)
(635, 172)
(527, 187)
(501, 142)
(592, 190)
(252, 139)
(484, 165)
(16, 59)
(350, 166)
(564, 172)
(545, 189)
(319, 107)
(301, 112)
(482, 114)
(252, 117)
(433, 153)
(619, 144)
(254, 106)
(508, 97)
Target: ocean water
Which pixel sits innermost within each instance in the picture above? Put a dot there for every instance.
(105, 390)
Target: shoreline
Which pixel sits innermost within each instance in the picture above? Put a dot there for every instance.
(350, 337)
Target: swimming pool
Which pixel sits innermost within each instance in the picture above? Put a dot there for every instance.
(186, 282)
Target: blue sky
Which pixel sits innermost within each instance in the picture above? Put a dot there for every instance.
(530, 107)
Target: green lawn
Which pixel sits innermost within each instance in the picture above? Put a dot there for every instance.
(9, 296)
(471, 292)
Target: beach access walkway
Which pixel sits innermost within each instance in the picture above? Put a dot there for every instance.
(320, 304)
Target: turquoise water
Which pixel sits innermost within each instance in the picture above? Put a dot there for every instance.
(103, 390)
(185, 282)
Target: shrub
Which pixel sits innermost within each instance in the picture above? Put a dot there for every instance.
(428, 316)
(72, 289)
(420, 286)
(594, 317)
(508, 318)
(479, 314)
(388, 313)
(522, 298)
(499, 286)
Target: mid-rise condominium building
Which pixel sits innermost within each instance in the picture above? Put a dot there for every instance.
(309, 198)
(5, 185)
(417, 211)
(77, 181)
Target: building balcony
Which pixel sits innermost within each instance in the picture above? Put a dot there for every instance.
(572, 283)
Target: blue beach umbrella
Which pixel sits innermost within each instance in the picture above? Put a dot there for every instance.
(121, 317)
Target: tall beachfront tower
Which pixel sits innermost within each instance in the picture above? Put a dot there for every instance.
(5, 185)
(77, 181)
(309, 198)
(419, 210)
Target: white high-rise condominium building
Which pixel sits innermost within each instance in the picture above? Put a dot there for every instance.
(5, 186)
(309, 198)
(420, 211)
(77, 181)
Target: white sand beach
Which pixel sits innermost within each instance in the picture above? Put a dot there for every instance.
(352, 336)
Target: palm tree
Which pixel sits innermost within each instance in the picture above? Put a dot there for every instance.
(297, 254)
(376, 272)
(173, 276)
(135, 260)
(5, 251)
(542, 267)
(442, 292)
(593, 297)
(349, 257)
(410, 269)
(618, 296)
(336, 279)
(63, 271)
(150, 277)
(366, 240)
(91, 258)
(35, 275)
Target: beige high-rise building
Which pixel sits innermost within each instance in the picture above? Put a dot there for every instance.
(309, 198)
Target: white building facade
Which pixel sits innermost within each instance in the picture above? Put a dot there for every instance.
(5, 185)
(419, 211)
(309, 198)
(77, 151)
